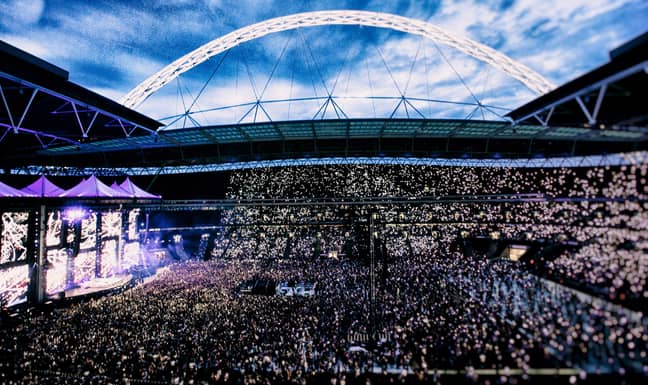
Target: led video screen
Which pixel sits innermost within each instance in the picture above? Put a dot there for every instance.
(131, 256)
(70, 236)
(56, 253)
(84, 266)
(14, 282)
(110, 224)
(15, 229)
(54, 227)
(55, 273)
(89, 232)
(108, 265)
(133, 215)
(111, 227)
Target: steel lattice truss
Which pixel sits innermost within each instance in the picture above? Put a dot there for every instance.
(40, 108)
(81, 114)
(488, 55)
(630, 158)
(597, 91)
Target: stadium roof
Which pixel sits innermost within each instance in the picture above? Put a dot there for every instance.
(611, 98)
(40, 108)
(547, 127)
(422, 138)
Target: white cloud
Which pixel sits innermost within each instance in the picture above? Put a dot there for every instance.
(21, 13)
(531, 27)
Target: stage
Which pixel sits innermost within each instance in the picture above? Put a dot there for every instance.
(99, 286)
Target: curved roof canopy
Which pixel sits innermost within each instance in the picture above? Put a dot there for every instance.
(532, 135)
(416, 138)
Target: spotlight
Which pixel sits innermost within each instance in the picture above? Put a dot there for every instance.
(74, 214)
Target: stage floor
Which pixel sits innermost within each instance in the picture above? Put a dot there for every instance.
(99, 285)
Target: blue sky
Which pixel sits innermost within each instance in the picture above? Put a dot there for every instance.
(111, 46)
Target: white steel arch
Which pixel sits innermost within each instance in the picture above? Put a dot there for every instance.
(524, 74)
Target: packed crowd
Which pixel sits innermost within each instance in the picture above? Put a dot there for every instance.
(610, 238)
(603, 210)
(350, 181)
(439, 304)
(436, 308)
(271, 242)
(489, 299)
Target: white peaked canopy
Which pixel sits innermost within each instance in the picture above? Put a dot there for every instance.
(92, 187)
(42, 187)
(136, 192)
(8, 191)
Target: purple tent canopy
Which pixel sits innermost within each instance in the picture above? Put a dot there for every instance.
(123, 193)
(42, 187)
(135, 192)
(92, 187)
(8, 191)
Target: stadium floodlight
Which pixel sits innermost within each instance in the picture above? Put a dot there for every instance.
(488, 55)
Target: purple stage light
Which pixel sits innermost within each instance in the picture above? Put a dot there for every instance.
(75, 214)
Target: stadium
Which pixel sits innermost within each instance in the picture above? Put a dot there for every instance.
(278, 204)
